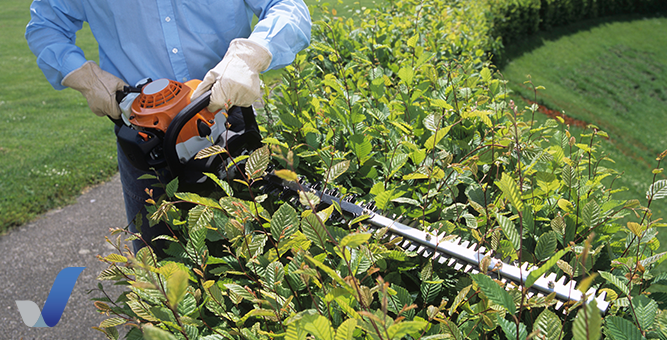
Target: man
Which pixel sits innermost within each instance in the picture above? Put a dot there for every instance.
(174, 39)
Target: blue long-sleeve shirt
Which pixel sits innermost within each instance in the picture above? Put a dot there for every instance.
(175, 39)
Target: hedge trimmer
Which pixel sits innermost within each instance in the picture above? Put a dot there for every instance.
(161, 127)
(449, 250)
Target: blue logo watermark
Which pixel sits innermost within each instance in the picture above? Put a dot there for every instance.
(55, 302)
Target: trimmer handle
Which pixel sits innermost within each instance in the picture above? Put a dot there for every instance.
(121, 94)
(175, 127)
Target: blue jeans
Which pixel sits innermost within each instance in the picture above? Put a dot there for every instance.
(135, 196)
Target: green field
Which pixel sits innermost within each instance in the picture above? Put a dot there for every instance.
(611, 73)
(51, 146)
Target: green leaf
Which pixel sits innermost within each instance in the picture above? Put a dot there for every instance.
(308, 198)
(284, 223)
(257, 162)
(546, 245)
(240, 291)
(611, 278)
(412, 42)
(332, 273)
(147, 176)
(434, 139)
(199, 217)
(361, 146)
(406, 74)
(509, 230)
(406, 200)
(318, 326)
(645, 310)
(314, 230)
(509, 328)
(494, 292)
(450, 329)
(657, 190)
(460, 297)
(194, 198)
(177, 283)
(401, 329)
(591, 213)
(535, 274)
(346, 330)
(287, 175)
(429, 291)
(295, 332)
(549, 325)
(337, 170)
(621, 329)
(172, 187)
(400, 299)
(354, 240)
(426, 56)
(588, 322)
(210, 151)
(275, 272)
(432, 122)
(485, 73)
(511, 191)
(153, 333)
(112, 322)
(569, 176)
(383, 198)
(222, 184)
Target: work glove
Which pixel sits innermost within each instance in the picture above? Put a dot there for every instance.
(98, 87)
(235, 80)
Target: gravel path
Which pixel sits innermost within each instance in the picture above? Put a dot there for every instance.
(32, 256)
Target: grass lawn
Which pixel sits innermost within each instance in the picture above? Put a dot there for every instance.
(611, 73)
(51, 146)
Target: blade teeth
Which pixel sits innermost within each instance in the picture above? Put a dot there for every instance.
(421, 250)
(552, 277)
(465, 244)
(451, 261)
(468, 268)
(442, 259)
(412, 247)
(559, 305)
(458, 266)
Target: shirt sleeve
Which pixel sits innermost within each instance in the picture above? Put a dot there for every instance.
(283, 28)
(51, 36)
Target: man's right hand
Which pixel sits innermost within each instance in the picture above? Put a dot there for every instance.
(98, 87)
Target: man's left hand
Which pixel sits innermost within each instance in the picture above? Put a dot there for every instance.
(235, 80)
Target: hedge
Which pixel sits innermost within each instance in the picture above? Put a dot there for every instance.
(514, 19)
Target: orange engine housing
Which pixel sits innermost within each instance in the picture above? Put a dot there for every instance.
(161, 100)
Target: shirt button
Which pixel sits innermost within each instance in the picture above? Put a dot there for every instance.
(167, 19)
(175, 50)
